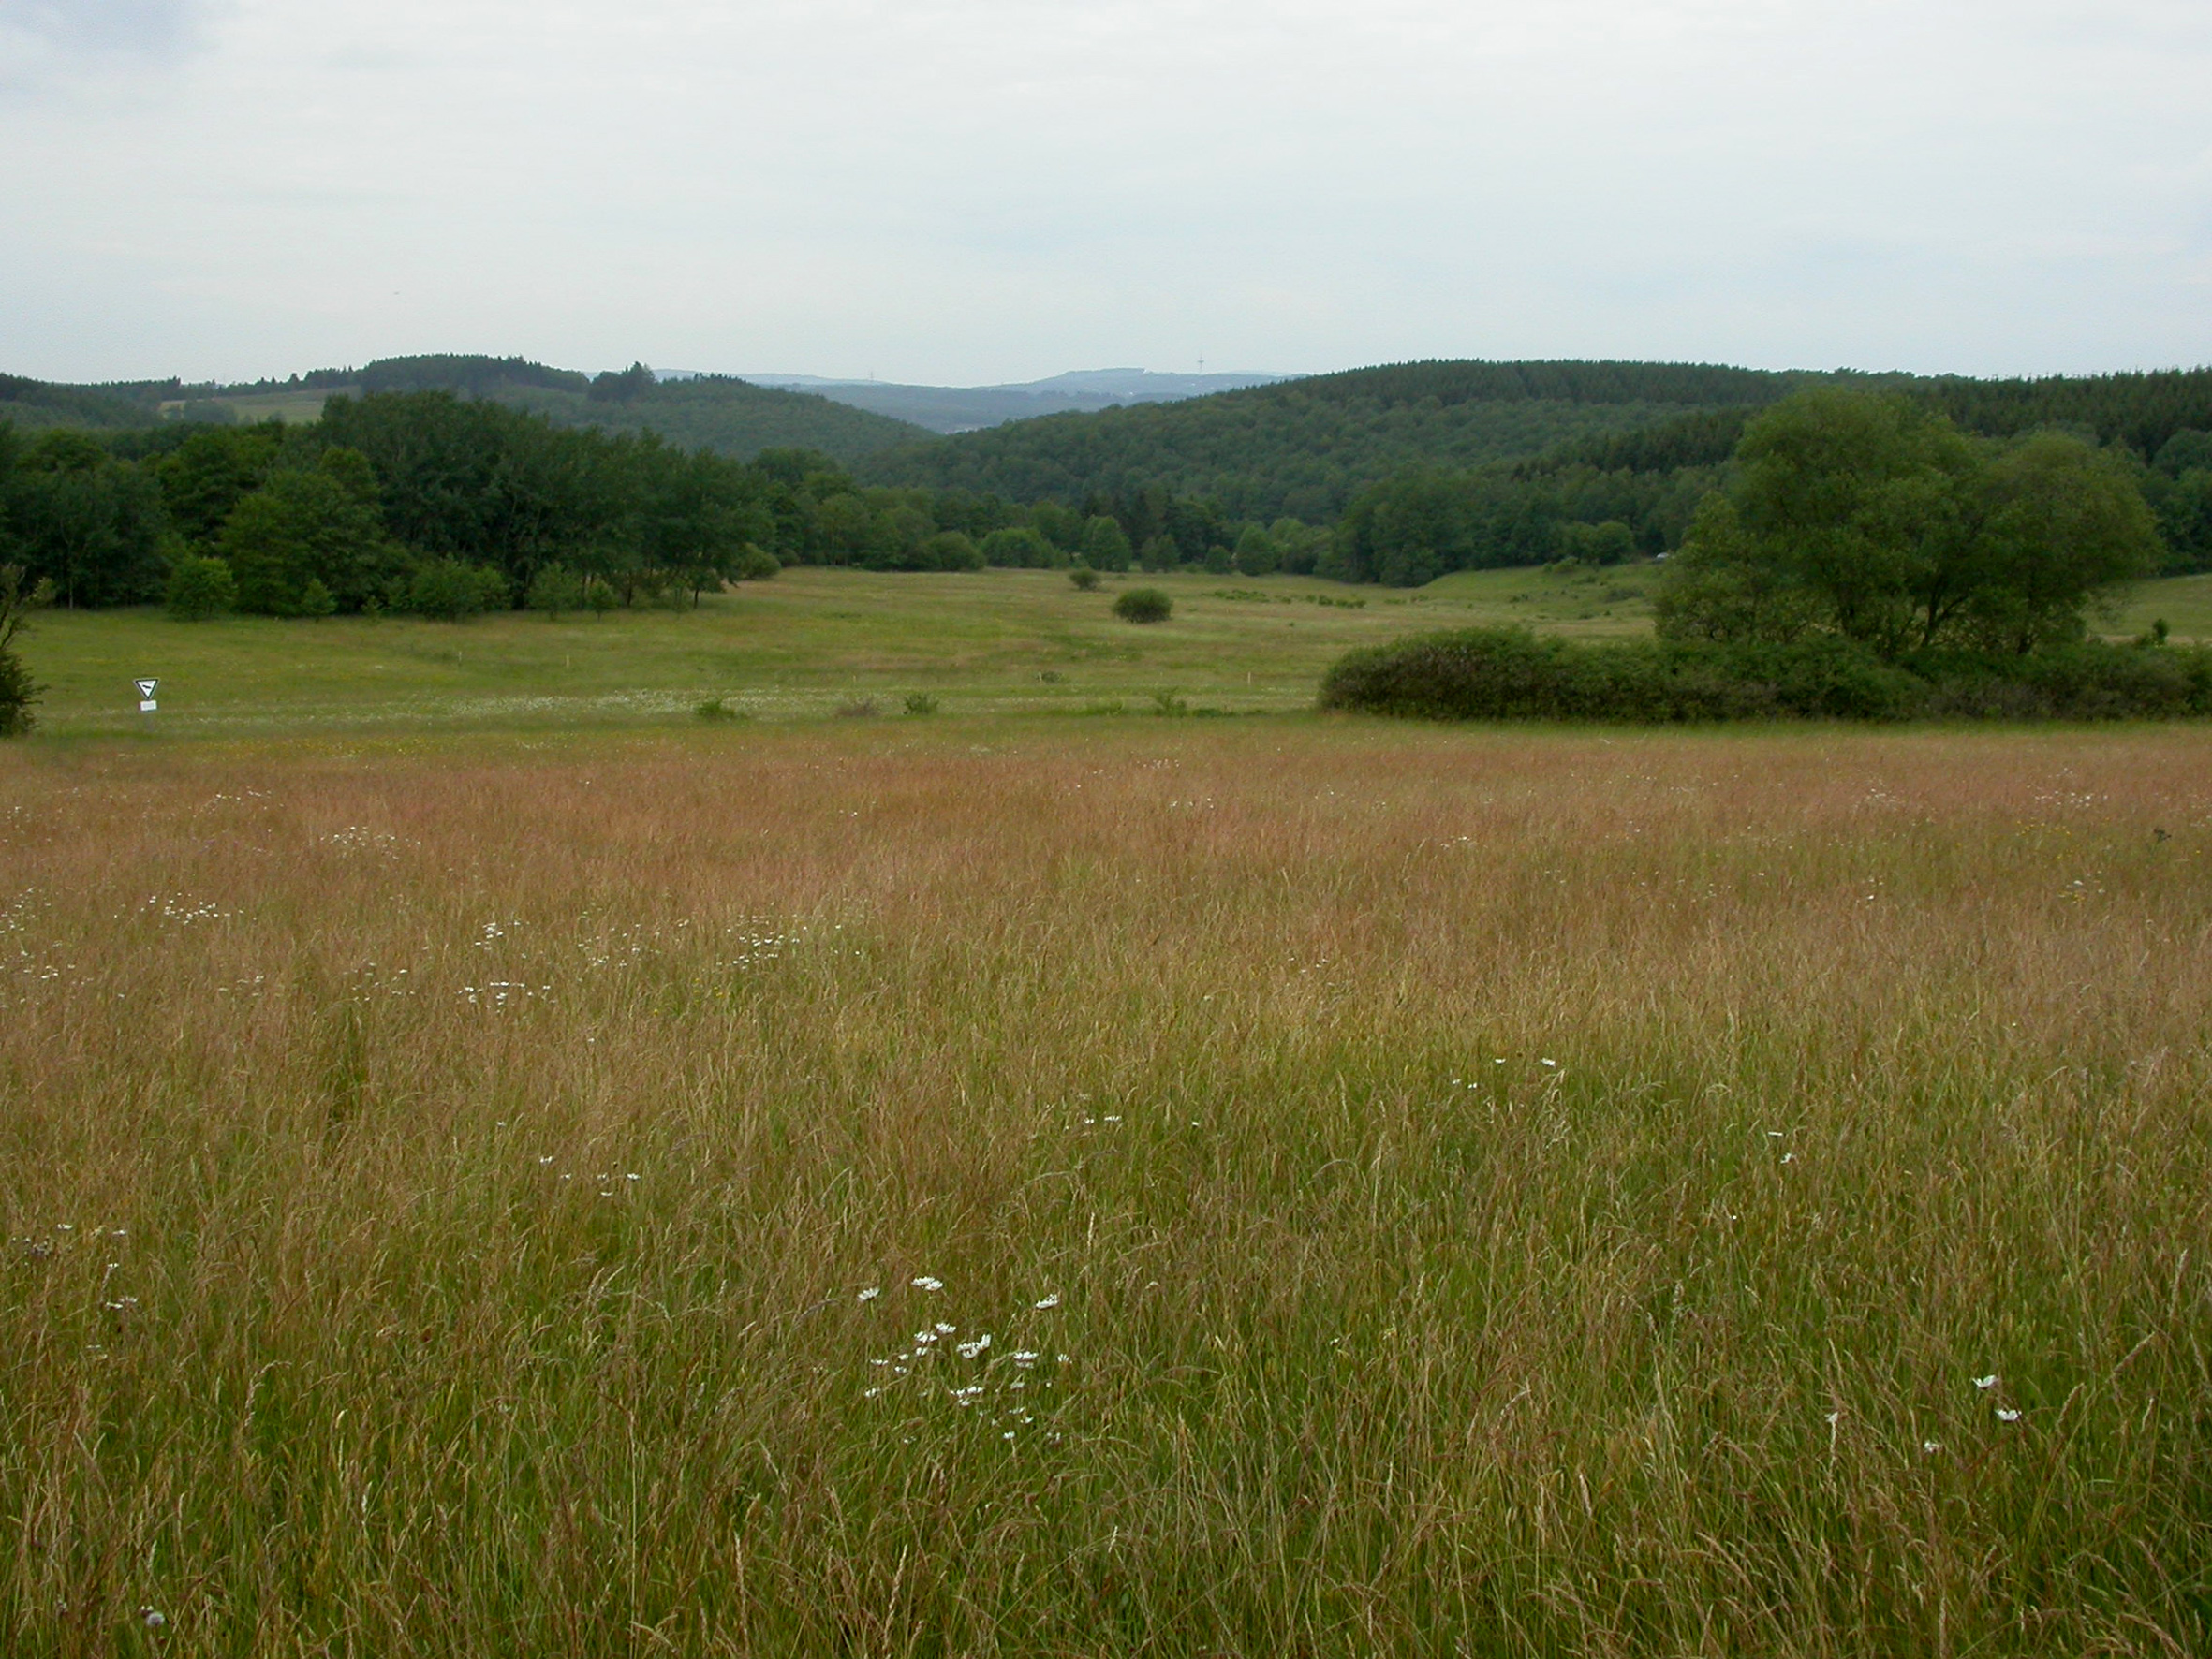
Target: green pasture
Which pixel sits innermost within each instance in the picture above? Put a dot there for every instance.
(814, 641)
(806, 645)
(292, 405)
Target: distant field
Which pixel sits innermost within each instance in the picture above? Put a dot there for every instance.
(801, 645)
(1000, 1186)
(813, 640)
(299, 407)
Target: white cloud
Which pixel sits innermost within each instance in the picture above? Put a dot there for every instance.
(990, 189)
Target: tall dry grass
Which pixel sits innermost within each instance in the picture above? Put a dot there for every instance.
(1533, 1193)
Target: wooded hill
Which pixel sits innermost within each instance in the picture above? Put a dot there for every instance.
(731, 417)
(1304, 448)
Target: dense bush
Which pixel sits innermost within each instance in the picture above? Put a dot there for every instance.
(1144, 605)
(448, 590)
(1511, 674)
(17, 600)
(200, 588)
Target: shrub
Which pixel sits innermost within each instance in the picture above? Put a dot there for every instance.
(756, 563)
(858, 707)
(950, 549)
(1511, 674)
(200, 588)
(1144, 605)
(1256, 552)
(920, 702)
(555, 588)
(1021, 549)
(716, 708)
(18, 691)
(1105, 544)
(448, 590)
(1084, 577)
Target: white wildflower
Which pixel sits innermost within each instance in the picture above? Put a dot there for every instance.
(927, 1282)
(1986, 1382)
(1931, 1446)
(2005, 1415)
(1048, 1302)
(870, 1293)
(152, 1618)
(968, 1350)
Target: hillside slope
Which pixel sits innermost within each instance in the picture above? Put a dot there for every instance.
(731, 417)
(1301, 447)
(34, 405)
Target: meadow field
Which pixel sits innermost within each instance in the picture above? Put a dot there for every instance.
(814, 640)
(802, 645)
(574, 1179)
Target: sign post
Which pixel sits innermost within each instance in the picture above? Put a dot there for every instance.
(146, 702)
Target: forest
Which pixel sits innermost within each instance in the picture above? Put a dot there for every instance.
(415, 494)
(429, 503)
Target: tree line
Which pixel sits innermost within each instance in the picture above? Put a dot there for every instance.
(431, 502)
(445, 506)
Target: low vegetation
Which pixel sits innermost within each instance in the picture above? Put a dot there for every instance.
(1511, 674)
(18, 690)
(1144, 605)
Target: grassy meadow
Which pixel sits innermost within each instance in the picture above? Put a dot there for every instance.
(808, 642)
(814, 640)
(490, 1164)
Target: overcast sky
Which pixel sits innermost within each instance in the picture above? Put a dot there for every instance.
(967, 191)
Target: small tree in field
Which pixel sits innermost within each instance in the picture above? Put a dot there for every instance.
(200, 588)
(1085, 577)
(17, 690)
(554, 589)
(1144, 605)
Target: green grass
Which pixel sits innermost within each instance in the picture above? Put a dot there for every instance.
(2184, 601)
(799, 645)
(294, 407)
(812, 641)
(1431, 1191)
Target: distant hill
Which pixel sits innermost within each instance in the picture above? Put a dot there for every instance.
(729, 417)
(972, 408)
(1301, 447)
(33, 406)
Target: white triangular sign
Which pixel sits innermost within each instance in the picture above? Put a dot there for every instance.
(146, 687)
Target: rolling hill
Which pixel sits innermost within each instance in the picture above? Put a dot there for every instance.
(728, 416)
(1301, 447)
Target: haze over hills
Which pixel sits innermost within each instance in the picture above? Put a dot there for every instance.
(970, 409)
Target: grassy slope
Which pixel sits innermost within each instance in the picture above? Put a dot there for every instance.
(1502, 1193)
